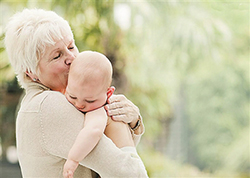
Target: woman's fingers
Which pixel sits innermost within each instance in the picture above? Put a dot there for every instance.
(120, 117)
(116, 111)
(122, 109)
(116, 105)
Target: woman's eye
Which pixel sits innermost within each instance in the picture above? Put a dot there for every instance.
(59, 55)
(71, 48)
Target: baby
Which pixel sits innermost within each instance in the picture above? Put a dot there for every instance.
(88, 89)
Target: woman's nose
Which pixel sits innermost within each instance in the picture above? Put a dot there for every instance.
(69, 58)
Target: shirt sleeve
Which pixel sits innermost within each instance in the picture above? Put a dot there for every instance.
(138, 132)
(60, 124)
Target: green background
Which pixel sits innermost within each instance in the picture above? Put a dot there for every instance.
(185, 64)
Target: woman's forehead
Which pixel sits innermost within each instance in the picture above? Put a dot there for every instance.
(58, 45)
(68, 39)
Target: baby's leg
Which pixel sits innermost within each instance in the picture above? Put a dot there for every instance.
(119, 133)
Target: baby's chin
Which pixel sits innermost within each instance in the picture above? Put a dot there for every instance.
(88, 110)
(83, 110)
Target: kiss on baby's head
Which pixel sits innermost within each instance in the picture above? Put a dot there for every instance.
(89, 81)
(92, 67)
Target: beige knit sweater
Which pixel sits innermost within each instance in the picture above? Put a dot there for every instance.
(46, 128)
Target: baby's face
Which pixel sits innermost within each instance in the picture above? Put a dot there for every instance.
(86, 97)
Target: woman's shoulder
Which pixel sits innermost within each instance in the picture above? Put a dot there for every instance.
(55, 105)
(53, 95)
(48, 104)
(33, 100)
(54, 99)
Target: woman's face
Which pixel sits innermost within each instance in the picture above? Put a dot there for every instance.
(55, 62)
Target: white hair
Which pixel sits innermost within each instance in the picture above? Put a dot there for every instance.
(27, 35)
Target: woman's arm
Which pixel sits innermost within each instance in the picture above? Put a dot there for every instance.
(116, 163)
(60, 124)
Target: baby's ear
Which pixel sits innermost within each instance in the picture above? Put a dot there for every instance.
(110, 91)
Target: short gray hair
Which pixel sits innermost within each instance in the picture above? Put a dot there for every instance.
(27, 35)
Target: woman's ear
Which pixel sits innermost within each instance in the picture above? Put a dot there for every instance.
(110, 91)
(33, 77)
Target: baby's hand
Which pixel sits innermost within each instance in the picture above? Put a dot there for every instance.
(68, 174)
(69, 168)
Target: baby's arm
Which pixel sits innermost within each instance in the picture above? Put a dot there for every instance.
(94, 126)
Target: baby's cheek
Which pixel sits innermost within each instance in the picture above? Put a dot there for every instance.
(69, 100)
(94, 106)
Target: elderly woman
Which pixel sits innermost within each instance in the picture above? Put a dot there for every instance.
(41, 47)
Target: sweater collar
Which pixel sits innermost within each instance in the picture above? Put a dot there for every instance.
(33, 85)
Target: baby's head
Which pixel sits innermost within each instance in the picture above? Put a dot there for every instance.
(89, 81)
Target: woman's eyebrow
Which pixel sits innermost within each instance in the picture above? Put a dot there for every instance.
(68, 41)
(71, 42)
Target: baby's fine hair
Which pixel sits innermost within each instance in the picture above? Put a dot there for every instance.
(27, 35)
(90, 65)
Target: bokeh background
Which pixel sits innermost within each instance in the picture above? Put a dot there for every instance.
(184, 63)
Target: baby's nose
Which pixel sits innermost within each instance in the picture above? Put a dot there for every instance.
(80, 106)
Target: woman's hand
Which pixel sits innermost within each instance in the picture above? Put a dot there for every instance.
(119, 108)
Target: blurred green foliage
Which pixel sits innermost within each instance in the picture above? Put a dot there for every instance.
(185, 64)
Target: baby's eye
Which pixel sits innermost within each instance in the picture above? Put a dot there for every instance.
(90, 101)
(72, 97)
(71, 47)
